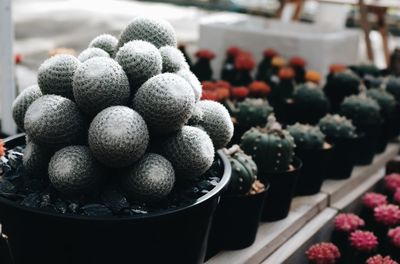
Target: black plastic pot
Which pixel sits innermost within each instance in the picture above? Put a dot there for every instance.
(369, 143)
(236, 221)
(390, 129)
(342, 157)
(173, 236)
(280, 195)
(313, 172)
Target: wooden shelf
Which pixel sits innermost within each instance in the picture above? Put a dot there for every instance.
(271, 235)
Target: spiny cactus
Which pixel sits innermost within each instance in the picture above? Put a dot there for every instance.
(306, 136)
(56, 73)
(217, 122)
(272, 148)
(311, 96)
(323, 253)
(244, 171)
(99, 83)
(105, 42)
(22, 102)
(92, 53)
(336, 126)
(118, 136)
(365, 69)
(140, 60)
(348, 222)
(190, 151)
(74, 170)
(379, 259)
(371, 200)
(387, 215)
(166, 102)
(394, 236)
(36, 159)
(151, 178)
(361, 109)
(172, 59)
(393, 87)
(193, 81)
(54, 121)
(363, 241)
(156, 31)
(385, 100)
(253, 112)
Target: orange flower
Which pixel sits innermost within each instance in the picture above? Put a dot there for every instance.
(2, 148)
(223, 93)
(297, 61)
(205, 54)
(224, 84)
(313, 76)
(244, 61)
(240, 92)
(270, 53)
(259, 88)
(286, 73)
(210, 95)
(278, 61)
(207, 85)
(335, 68)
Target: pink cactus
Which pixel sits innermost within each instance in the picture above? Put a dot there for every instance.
(323, 253)
(387, 214)
(372, 200)
(378, 259)
(364, 241)
(348, 222)
(392, 181)
(394, 236)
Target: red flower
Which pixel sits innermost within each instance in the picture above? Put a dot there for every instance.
(205, 54)
(394, 236)
(233, 51)
(18, 58)
(259, 88)
(335, 68)
(239, 92)
(207, 85)
(244, 61)
(270, 53)
(387, 214)
(297, 62)
(209, 95)
(2, 148)
(378, 259)
(348, 222)
(323, 253)
(364, 241)
(286, 73)
(392, 181)
(224, 84)
(372, 200)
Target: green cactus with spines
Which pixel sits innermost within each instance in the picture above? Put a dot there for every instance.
(252, 112)
(336, 126)
(271, 147)
(361, 109)
(244, 171)
(307, 136)
(393, 87)
(385, 100)
(366, 69)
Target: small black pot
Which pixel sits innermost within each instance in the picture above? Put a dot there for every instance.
(282, 187)
(341, 159)
(235, 222)
(369, 143)
(313, 172)
(178, 235)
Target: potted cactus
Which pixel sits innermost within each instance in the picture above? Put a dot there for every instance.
(340, 85)
(299, 66)
(229, 70)
(322, 253)
(281, 92)
(237, 217)
(364, 245)
(340, 132)
(264, 69)
(365, 114)
(202, 67)
(272, 148)
(314, 151)
(244, 65)
(309, 104)
(109, 162)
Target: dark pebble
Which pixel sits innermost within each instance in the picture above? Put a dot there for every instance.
(7, 188)
(114, 200)
(95, 210)
(73, 208)
(32, 200)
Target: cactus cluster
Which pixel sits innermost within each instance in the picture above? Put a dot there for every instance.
(361, 109)
(363, 241)
(311, 96)
(113, 108)
(271, 147)
(244, 171)
(252, 112)
(323, 253)
(307, 136)
(336, 126)
(385, 100)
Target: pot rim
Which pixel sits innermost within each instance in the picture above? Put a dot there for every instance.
(220, 186)
(266, 189)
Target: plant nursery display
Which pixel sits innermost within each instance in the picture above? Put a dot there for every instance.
(119, 154)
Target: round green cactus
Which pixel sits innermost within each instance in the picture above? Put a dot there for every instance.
(253, 112)
(140, 60)
(92, 53)
(337, 127)
(272, 148)
(306, 136)
(166, 102)
(173, 59)
(385, 100)
(99, 83)
(151, 178)
(156, 31)
(393, 87)
(22, 102)
(56, 73)
(361, 109)
(366, 69)
(310, 96)
(106, 42)
(244, 171)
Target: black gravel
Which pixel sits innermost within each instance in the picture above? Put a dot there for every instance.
(36, 192)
